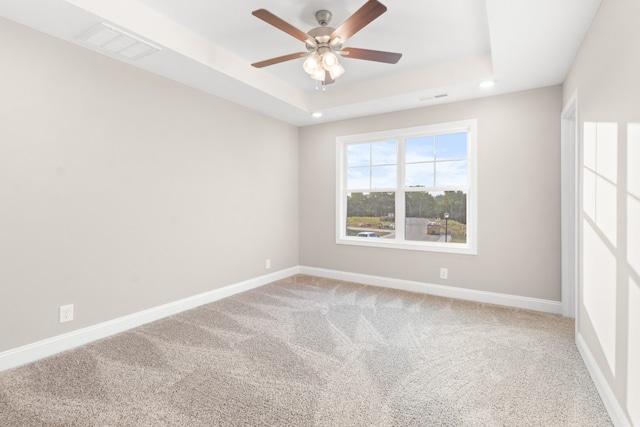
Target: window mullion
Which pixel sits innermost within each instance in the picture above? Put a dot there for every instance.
(400, 197)
(370, 166)
(435, 159)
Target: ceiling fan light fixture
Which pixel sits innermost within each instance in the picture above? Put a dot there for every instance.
(318, 74)
(312, 63)
(329, 60)
(336, 71)
(317, 65)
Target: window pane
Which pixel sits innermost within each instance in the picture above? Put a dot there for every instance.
(383, 177)
(358, 178)
(451, 146)
(425, 216)
(451, 173)
(383, 153)
(371, 213)
(358, 154)
(419, 175)
(419, 149)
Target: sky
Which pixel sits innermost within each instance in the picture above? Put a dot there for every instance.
(431, 161)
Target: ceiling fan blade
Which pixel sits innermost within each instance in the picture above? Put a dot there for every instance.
(361, 18)
(371, 55)
(280, 24)
(279, 59)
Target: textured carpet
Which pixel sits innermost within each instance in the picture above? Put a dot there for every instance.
(306, 351)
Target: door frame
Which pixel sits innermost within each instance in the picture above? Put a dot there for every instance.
(569, 204)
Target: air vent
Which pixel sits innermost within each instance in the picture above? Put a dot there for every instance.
(108, 39)
(429, 98)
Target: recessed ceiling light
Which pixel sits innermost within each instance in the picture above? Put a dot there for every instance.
(487, 84)
(316, 114)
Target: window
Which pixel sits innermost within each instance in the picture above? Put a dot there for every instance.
(413, 188)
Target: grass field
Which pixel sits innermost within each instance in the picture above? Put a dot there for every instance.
(368, 221)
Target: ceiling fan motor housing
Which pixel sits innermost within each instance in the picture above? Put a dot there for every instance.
(322, 37)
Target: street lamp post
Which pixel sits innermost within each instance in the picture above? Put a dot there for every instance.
(446, 227)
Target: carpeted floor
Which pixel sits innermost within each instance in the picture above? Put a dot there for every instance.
(306, 351)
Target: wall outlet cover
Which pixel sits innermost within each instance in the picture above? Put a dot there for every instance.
(66, 313)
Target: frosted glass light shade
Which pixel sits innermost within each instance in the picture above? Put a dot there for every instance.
(329, 60)
(312, 63)
(336, 71)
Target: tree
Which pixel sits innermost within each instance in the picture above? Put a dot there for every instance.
(356, 204)
(455, 203)
(420, 204)
(371, 204)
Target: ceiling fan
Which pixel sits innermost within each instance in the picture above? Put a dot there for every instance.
(324, 43)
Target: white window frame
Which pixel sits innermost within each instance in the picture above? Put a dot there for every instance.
(400, 135)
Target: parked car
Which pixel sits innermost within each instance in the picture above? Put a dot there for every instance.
(367, 234)
(433, 227)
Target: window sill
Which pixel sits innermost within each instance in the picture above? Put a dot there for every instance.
(451, 248)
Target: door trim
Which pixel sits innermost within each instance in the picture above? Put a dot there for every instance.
(569, 208)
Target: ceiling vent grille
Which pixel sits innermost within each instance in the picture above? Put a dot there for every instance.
(429, 98)
(108, 39)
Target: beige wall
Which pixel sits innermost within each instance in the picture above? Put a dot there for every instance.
(605, 75)
(121, 190)
(518, 198)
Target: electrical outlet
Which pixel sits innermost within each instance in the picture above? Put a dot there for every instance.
(444, 273)
(268, 264)
(66, 313)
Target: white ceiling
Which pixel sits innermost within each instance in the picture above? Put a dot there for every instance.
(448, 47)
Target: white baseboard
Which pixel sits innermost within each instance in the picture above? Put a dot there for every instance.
(536, 304)
(48, 347)
(616, 413)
